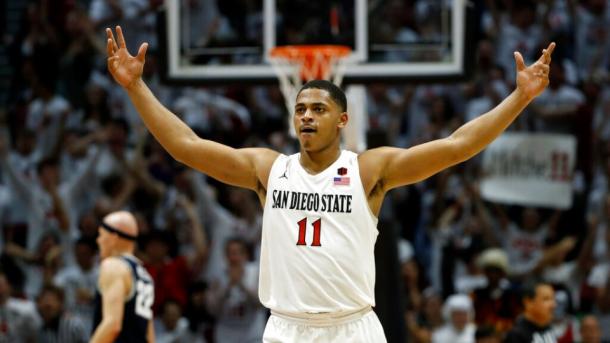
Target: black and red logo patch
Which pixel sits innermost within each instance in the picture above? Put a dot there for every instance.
(342, 171)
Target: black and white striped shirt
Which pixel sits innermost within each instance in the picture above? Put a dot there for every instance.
(525, 331)
(68, 329)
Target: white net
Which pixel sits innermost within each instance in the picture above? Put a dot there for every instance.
(295, 65)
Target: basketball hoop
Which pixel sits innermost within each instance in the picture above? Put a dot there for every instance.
(295, 64)
(311, 61)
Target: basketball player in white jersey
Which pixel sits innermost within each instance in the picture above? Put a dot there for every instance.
(320, 206)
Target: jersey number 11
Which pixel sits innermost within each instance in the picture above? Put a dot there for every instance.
(317, 226)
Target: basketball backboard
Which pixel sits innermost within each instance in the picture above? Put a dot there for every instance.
(228, 41)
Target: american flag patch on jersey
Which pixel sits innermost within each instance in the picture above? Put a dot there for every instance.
(341, 181)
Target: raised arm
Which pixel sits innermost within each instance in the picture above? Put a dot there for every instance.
(248, 168)
(386, 168)
(198, 237)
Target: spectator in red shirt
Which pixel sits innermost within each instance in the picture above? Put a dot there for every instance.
(173, 274)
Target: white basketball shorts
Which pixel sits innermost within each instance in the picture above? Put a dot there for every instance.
(361, 326)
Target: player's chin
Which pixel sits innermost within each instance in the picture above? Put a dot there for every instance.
(306, 145)
(310, 147)
(305, 140)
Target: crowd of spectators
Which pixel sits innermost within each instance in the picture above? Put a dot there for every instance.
(72, 149)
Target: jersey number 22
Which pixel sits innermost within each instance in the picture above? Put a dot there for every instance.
(144, 299)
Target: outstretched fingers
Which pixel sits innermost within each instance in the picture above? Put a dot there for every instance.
(109, 48)
(519, 61)
(546, 54)
(120, 37)
(142, 52)
(111, 43)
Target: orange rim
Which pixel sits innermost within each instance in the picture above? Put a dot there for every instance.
(314, 61)
(308, 51)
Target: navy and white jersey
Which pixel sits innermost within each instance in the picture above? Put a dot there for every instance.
(318, 239)
(525, 331)
(138, 304)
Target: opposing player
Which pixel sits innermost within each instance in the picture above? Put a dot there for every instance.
(319, 225)
(123, 303)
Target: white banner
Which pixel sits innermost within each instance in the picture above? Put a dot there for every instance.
(530, 170)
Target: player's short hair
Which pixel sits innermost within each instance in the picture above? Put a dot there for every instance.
(335, 92)
(528, 290)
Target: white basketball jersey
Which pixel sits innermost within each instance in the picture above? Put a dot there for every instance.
(318, 239)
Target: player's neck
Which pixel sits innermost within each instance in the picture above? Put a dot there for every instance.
(121, 252)
(315, 162)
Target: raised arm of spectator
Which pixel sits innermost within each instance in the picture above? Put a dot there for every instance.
(553, 223)
(585, 256)
(447, 217)
(53, 135)
(122, 197)
(17, 181)
(139, 170)
(77, 184)
(197, 261)
(213, 212)
(206, 204)
(248, 168)
(225, 104)
(492, 237)
(25, 191)
(58, 208)
(90, 33)
(81, 145)
(16, 251)
(554, 254)
(503, 219)
(438, 205)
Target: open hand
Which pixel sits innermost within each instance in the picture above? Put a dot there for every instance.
(533, 80)
(125, 69)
